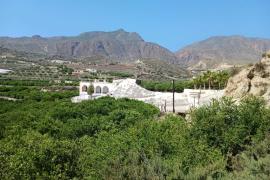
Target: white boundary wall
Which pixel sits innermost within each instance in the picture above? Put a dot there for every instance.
(163, 100)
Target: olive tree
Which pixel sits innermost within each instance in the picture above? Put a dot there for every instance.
(90, 90)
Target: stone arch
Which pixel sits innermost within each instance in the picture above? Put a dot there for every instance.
(98, 89)
(84, 88)
(105, 90)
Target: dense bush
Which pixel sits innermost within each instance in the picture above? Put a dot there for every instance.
(230, 127)
(48, 137)
(35, 93)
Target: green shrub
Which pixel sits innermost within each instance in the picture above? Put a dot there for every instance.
(230, 127)
(45, 136)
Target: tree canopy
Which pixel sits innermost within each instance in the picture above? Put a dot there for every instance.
(48, 137)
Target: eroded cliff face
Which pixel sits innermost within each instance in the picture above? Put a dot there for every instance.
(254, 80)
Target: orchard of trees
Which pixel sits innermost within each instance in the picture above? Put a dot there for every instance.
(208, 80)
(51, 138)
(165, 86)
(211, 80)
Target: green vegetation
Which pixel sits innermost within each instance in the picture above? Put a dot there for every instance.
(36, 93)
(264, 55)
(210, 80)
(119, 74)
(65, 70)
(165, 86)
(91, 90)
(159, 70)
(25, 82)
(45, 136)
(13, 82)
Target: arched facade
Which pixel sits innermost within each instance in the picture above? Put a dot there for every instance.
(98, 90)
(84, 88)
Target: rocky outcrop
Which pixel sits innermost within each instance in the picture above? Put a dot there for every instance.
(254, 80)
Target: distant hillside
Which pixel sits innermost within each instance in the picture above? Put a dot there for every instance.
(221, 50)
(121, 46)
(160, 70)
(116, 45)
(25, 64)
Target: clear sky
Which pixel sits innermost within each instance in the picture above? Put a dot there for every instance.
(170, 23)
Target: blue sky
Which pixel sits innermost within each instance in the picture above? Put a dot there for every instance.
(170, 23)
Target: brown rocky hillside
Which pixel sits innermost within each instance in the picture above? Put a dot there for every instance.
(223, 50)
(254, 80)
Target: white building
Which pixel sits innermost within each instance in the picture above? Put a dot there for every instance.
(163, 100)
(91, 70)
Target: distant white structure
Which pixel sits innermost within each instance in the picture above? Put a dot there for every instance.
(163, 100)
(4, 71)
(90, 70)
(58, 61)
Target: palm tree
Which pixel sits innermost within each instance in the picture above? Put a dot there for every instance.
(204, 80)
(219, 79)
(195, 82)
(209, 76)
(200, 81)
(225, 77)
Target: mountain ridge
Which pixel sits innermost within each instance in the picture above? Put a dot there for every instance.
(216, 50)
(119, 45)
(123, 46)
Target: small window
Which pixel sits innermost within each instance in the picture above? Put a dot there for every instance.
(98, 89)
(105, 90)
(84, 88)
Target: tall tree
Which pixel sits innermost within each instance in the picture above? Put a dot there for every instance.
(91, 90)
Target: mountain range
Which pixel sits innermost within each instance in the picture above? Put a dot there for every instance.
(116, 45)
(218, 50)
(125, 46)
